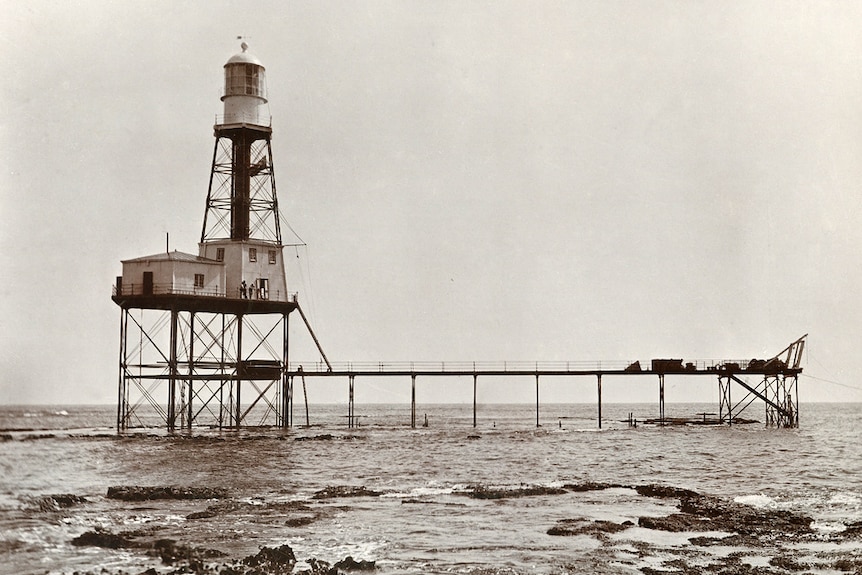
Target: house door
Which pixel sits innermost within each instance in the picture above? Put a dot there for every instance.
(148, 283)
(263, 288)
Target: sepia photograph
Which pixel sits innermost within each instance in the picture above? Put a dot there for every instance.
(399, 287)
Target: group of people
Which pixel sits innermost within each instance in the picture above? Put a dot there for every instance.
(251, 292)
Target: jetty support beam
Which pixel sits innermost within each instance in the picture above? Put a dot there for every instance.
(661, 399)
(599, 383)
(413, 401)
(475, 377)
(537, 401)
(350, 411)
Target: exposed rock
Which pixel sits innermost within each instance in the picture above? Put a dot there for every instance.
(735, 540)
(484, 492)
(596, 528)
(853, 529)
(272, 560)
(318, 567)
(136, 493)
(58, 501)
(787, 563)
(739, 518)
(345, 491)
(101, 538)
(677, 523)
(664, 491)
(592, 486)
(706, 513)
(350, 564)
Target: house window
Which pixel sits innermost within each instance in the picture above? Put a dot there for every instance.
(219, 254)
(252, 254)
(199, 280)
(272, 256)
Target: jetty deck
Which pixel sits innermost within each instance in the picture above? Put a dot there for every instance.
(777, 387)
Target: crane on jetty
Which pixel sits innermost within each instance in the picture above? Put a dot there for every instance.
(207, 329)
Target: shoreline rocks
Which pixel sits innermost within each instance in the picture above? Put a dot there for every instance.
(137, 493)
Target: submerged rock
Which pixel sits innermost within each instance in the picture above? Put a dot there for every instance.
(321, 437)
(592, 486)
(170, 552)
(345, 491)
(137, 493)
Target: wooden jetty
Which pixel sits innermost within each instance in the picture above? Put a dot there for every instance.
(777, 386)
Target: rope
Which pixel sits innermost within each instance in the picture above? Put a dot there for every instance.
(833, 382)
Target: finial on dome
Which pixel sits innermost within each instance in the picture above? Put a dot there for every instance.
(244, 46)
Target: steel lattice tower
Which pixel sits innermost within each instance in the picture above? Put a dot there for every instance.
(204, 338)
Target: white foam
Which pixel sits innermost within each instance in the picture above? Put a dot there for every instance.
(760, 500)
(844, 498)
(828, 526)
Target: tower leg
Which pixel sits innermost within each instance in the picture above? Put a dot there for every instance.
(239, 371)
(285, 363)
(172, 381)
(191, 367)
(599, 377)
(121, 382)
(661, 398)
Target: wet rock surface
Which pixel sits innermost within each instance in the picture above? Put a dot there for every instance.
(592, 486)
(137, 493)
(350, 564)
(189, 559)
(764, 541)
(596, 528)
(338, 491)
(48, 503)
(101, 538)
(485, 492)
(772, 535)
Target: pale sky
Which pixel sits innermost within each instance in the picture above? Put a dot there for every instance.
(534, 180)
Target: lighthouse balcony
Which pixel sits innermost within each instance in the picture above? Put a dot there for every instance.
(155, 289)
(240, 119)
(170, 297)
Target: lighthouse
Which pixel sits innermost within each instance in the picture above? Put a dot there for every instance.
(241, 224)
(199, 331)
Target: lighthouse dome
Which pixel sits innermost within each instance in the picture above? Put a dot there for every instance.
(244, 57)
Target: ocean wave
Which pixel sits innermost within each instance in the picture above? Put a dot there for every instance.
(845, 498)
(759, 500)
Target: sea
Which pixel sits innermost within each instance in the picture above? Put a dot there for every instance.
(398, 496)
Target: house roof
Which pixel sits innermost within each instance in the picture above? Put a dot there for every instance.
(174, 256)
